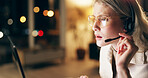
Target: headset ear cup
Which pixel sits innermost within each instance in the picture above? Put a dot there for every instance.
(128, 24)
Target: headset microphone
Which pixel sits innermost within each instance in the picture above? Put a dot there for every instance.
(108, 40)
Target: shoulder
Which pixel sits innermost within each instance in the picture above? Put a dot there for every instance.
(106, 48)
(106, 53)
(140, 58)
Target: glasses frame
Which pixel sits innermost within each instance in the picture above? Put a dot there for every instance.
(99, 19)
(96, 19)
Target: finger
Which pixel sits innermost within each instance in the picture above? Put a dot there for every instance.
(122, 46)
(118, 50)
(128, 53)
(126, 35)
(119, 42)
(83, 76)
(128, 44)
(125, 43)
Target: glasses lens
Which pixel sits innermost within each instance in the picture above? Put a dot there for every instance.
(101, 20)
(91, 20)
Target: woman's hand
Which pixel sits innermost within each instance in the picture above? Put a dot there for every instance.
(83, 76)
(126, 49)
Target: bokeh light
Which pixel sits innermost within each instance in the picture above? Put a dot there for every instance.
(36, 9)
(34, 33)
(23, 19)
(1, 34)
(81, 3)
(10, 21)
(50, 13)
(40, 33)
(45, 12)
(26, 31)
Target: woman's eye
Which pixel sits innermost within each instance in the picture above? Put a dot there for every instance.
(104, 19)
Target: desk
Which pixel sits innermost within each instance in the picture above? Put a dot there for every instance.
(29, 57)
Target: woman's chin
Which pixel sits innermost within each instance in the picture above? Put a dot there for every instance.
(101, 43)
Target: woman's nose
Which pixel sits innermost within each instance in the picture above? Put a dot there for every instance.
(96, 27)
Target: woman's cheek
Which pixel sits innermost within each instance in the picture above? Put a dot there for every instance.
(108, 31)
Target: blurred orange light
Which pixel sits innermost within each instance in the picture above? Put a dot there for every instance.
(40, 33)
(81, 3)
(45, 12)
(36, 9)
(50, 13)
(34, 33)
(23, 19)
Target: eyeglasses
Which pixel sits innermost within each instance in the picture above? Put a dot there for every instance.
(101, 20)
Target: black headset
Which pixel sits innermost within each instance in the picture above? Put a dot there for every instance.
(129, 23)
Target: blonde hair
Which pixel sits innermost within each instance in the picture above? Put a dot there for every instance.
(140, 34)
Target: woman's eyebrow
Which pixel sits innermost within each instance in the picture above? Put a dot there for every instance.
(102, 15)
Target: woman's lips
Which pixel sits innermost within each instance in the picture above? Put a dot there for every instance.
(98, 37)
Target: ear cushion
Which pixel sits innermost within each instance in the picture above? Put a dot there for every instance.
(128, 25)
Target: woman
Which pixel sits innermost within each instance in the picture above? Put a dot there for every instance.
(120, 28)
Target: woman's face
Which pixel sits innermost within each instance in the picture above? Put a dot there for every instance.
(112, 27)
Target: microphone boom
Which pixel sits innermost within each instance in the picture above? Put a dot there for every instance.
(108, 40)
